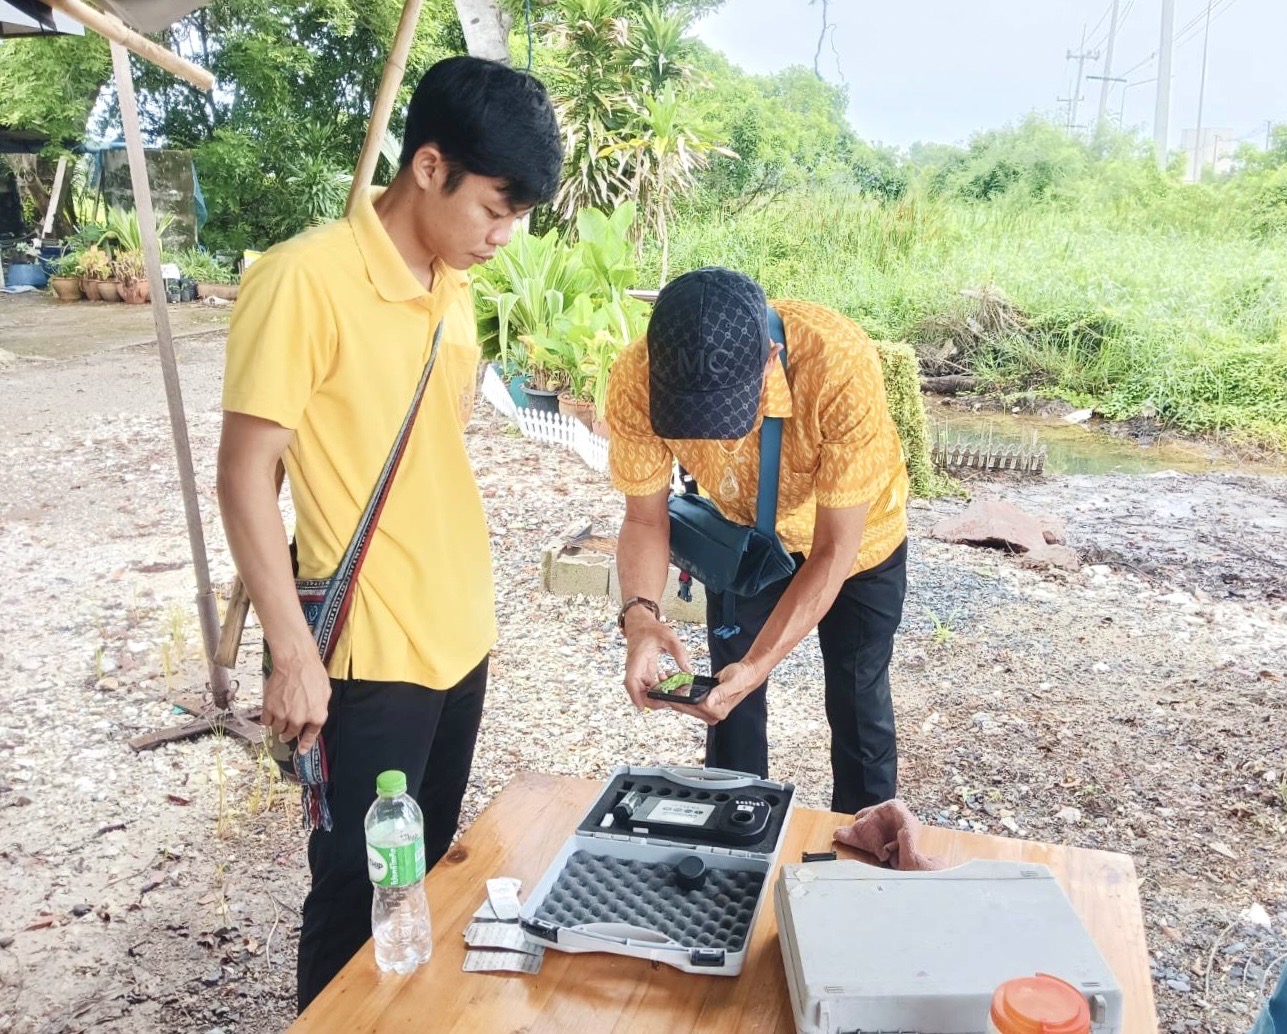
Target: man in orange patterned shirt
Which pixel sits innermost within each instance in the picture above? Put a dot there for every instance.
(696, 390)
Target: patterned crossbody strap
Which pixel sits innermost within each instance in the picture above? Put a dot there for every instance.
(311, 767)
(339, 594)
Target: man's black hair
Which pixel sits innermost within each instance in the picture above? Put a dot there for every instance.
(489, 120)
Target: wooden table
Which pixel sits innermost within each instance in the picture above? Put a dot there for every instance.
(520, 833)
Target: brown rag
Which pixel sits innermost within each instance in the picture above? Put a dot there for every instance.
(887, 832)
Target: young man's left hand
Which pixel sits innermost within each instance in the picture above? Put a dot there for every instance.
(735, 682)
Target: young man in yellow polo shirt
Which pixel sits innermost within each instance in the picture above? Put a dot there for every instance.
(329, 338)
(696, 390)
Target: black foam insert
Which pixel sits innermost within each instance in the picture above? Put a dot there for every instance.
(591, 889)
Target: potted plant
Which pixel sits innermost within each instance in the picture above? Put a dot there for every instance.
(65, 283)
(26, 271)
(131, 271)
(212, 279)
(549, 363)
(94, 267)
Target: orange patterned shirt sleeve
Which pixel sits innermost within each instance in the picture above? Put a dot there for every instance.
(640, 463)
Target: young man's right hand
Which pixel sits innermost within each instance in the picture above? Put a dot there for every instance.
(646, 640)
(296, 695)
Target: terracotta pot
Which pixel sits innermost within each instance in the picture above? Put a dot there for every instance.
(89, 288)
(109, 290)
(135, 292)
(600, 427)
(579, 408)
(66, 288)
(228, 292)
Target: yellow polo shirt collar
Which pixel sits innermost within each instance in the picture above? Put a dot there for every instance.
(393, 280)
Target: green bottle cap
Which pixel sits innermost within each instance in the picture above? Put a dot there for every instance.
(390, 783)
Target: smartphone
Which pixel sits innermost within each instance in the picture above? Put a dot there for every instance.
(682, 688)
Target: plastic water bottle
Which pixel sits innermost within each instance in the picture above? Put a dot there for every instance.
(395, 856)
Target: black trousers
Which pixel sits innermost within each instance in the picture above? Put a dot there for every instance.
(373, 726)
(857, 640)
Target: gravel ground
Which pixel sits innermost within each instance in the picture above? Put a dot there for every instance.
(1137, 706)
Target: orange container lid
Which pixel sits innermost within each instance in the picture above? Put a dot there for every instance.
(1040, 1005)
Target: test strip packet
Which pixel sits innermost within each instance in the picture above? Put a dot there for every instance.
(503, 895)
(486, 961)
(509, 936)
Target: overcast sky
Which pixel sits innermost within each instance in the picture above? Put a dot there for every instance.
(940, 69)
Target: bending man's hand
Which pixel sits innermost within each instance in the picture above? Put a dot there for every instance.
(646, 640)
(735, 683)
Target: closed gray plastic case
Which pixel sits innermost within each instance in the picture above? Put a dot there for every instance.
(874, 950)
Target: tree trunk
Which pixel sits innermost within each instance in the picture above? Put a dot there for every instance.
(35, 177)
(486, 28)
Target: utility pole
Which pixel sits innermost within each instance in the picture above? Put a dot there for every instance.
(1198, 155)
(1108, 71)
(1081, 57)
(1269, 133)
(1162, 111)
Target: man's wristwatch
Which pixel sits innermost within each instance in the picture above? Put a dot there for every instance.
(639, 601)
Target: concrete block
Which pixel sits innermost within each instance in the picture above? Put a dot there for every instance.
(585, 574)
(692, 613)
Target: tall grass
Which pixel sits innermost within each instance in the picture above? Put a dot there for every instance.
(1136, 298)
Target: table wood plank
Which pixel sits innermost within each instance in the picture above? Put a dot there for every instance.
(522, 831)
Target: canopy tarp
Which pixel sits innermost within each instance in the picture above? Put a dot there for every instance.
(30, 18)
(151, 15)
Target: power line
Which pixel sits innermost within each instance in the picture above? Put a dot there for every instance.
(1217, 10)
(1097, 24)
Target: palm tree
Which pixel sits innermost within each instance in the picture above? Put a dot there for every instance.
(662, 157)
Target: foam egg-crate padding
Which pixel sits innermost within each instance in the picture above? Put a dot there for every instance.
(591, 889)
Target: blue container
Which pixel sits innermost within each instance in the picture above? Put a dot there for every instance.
(516, 392)
(25, 274)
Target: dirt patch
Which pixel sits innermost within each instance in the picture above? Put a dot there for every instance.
(1136, 706)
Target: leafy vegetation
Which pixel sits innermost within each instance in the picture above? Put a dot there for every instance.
(1034, 261)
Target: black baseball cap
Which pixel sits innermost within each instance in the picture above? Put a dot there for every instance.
(708, 341)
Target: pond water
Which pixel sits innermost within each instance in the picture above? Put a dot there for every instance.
(1077, 449)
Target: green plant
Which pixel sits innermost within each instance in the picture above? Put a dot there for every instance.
(944, 632)
(523, 289)
(552, 362)
(94, 263)
(202, 267)
(130, 267)
(67, 265)
(124, 231)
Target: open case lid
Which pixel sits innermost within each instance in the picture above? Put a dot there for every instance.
(698, 808)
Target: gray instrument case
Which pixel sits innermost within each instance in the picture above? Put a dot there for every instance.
(874, 951)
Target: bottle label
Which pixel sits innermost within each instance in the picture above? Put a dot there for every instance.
(396, 866)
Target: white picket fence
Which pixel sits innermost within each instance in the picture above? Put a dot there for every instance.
(552, 428)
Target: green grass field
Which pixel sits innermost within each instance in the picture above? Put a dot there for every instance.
(1160, 303)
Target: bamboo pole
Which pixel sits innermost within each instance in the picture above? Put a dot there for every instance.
(395, 67)
(207, 611)
(118, 32)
